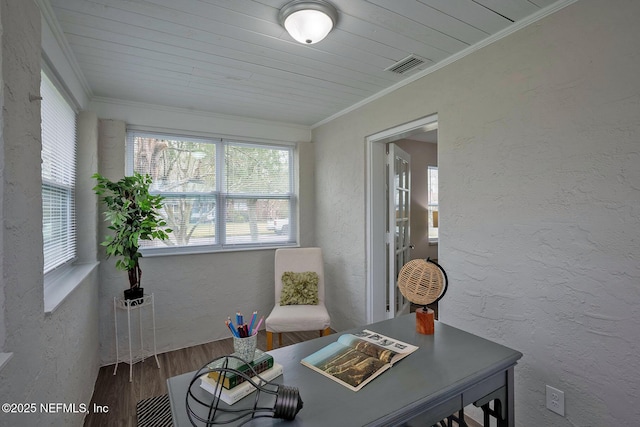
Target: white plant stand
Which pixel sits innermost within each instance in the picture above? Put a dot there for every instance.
(122, 305)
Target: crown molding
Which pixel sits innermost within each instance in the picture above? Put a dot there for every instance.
(52, 21)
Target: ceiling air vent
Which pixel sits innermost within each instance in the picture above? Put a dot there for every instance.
(410, 63)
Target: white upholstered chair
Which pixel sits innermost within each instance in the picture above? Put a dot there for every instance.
(293, 318)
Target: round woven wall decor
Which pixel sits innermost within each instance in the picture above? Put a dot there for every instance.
(422, 281)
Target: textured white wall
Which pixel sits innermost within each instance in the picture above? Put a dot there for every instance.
(340, 214)
(56, 355)
(176, 120)
(3, 330)
(539, 202)
(86, 200)
(22, 257)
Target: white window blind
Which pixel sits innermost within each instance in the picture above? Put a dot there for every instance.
(259, 194)
(58, 177)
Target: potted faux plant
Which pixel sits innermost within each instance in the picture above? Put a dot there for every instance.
(133, 215)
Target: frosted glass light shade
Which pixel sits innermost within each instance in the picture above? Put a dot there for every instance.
(308, 22)
(308, 26)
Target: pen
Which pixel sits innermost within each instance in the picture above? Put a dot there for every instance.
(239, 318)
(233, 332)
(253, 322)
(258, 326)
(232, 327)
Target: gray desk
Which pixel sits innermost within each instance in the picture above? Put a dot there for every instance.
(450, 370)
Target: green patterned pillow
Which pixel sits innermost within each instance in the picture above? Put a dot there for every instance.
(299, 288)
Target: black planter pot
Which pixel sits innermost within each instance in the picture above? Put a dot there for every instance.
(133, 295)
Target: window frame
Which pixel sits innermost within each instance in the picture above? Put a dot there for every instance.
(221, 196)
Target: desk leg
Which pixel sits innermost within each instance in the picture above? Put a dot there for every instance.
(503, 403)
(510, 417)
(504, 406)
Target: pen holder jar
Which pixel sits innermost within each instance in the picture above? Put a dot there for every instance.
(245, 348)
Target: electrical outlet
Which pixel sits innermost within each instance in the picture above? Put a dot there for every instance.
(555, 400)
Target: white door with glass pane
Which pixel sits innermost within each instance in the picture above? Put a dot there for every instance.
(432, 185)
(398, 229)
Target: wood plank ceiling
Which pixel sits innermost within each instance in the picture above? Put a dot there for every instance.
(232, 57)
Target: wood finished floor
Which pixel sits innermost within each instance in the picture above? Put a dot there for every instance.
(121, 396)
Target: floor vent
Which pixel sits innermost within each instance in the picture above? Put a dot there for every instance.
(410, 63)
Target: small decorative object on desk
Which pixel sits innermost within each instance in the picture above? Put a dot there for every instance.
(245, 348)
(271, 400)
(262, 362)
(245, 335)
(423, 282)
(231, 396)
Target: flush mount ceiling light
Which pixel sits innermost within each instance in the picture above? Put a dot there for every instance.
(308, 22)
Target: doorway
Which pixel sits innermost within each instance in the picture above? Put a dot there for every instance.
(380, 290)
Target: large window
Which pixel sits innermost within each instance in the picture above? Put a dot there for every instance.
(219, 194)
(58, 177)
(432, 184)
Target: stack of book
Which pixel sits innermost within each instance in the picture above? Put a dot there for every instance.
(231, 386)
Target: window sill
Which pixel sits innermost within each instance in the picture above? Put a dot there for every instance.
(57, 289)
(197, 250)
(4, 358)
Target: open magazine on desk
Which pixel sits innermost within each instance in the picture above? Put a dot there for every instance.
(354, 360)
